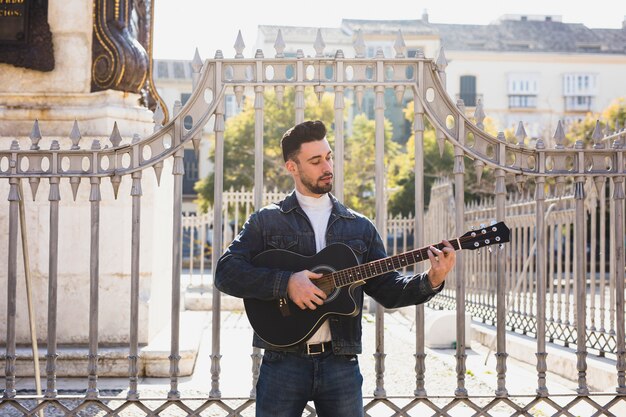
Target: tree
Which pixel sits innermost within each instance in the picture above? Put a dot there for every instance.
(437, 165)
(360, 164)
(239, 143)
(614, 114)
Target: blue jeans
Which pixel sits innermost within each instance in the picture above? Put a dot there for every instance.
(287, 381)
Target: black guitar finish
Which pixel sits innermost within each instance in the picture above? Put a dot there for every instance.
(282, 323)
(266, 317)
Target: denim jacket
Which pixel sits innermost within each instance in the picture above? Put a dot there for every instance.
(284, 225)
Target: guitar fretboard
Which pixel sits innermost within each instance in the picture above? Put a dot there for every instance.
(372, 269)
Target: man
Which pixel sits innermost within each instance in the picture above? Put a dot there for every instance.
(324, 369)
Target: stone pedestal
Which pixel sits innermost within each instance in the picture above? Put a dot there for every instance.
(57, 99)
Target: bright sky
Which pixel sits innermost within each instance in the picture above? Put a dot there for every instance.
(183, 25)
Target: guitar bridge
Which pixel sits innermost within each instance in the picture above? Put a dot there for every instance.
(283, 307)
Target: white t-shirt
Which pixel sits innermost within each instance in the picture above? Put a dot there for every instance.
(318, 211)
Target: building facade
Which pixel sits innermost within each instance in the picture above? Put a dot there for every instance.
(534, 69)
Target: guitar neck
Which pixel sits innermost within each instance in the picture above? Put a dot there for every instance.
(372, 269)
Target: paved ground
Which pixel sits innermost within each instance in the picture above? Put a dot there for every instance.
(236, 376)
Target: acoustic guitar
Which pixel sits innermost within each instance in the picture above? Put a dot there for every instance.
(282, 323)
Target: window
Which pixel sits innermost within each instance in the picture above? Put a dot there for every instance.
(579, 91)
(191, 172)
(523, 89)
(162, 70)
(468, 90)
(179, 70)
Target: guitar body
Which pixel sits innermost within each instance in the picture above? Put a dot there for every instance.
(282, 323)
(269, 321)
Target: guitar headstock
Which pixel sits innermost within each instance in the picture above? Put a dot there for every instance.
(485, 236)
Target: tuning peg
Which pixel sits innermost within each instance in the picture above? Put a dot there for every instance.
(501, 246)
(472, 227)
(491, 223)
(497, 239)
(482, 225)
(489, 249)
(478, 252)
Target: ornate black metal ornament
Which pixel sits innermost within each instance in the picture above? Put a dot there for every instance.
(122, 48)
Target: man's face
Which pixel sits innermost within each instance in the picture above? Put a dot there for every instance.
(312, 169)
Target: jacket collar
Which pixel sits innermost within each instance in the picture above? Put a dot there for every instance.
(290, 203)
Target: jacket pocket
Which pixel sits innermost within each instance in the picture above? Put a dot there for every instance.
(358, 247)
(282, 242)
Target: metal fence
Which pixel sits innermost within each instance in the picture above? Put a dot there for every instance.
(425, 80)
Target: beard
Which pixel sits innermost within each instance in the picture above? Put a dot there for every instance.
(315, 187)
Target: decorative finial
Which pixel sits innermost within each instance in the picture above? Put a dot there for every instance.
(399, 45)
(359, 45)
(597, 136)
(115, 137)
(520, 134)
(319, 44)
(75, 136)
(239, 46)
(196, 63)
(279, 45)
(35, 136)
(479, 114)
(559, 136)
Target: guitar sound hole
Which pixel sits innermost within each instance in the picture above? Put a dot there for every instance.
(326, 283)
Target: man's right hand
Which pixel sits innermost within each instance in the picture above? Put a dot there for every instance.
(303, 292)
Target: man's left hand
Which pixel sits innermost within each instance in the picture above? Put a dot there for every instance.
(441, 262)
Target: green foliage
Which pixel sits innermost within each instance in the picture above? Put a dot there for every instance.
(582, 130)
(360, 164)
(239, 143)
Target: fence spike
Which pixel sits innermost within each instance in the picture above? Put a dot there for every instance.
(15, 145)
(280, 93)
(319, 44)
(115, 182)
(520, 134)
(520, 181)
(35, 136)
(399, 91)
(219, 54)
(196, 63)
(599, 182)
(54, 146)
(442, 61)
(259, 54)
(238, 94)
(136, 138)
(460, 104)
(597, 136)
(479, 114)
(399, 45)
(441, 142)
(95, 145)
(158, 117)
(279, 45)
(479, 166)
(74, 183)
(158, 168)
(339, 54)
(115, 137)
(196, 144)
(34, 186)
(358, 93)
(75, 136)
(239, 45)
(178, 105)
(359, 45)
(559, 136)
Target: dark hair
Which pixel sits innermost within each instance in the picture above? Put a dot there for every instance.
(308, 131)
